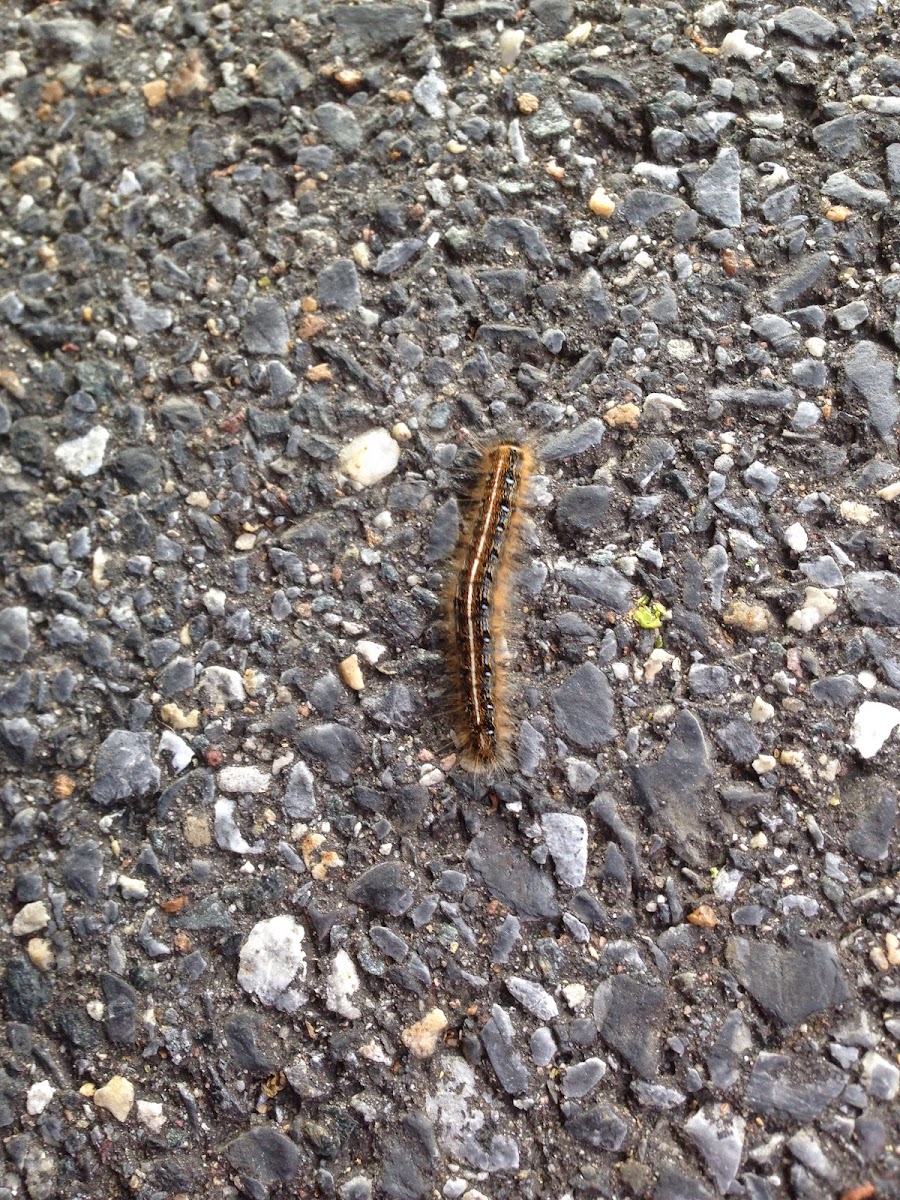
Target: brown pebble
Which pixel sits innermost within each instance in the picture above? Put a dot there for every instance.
(311, 327)
(528, 103)
(155, 92)
(11, 383)
(351, 673)
(623, 416)
(320, 373)
(703, 916)
(752, 618)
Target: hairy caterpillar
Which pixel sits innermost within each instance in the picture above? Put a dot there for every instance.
(477, 603)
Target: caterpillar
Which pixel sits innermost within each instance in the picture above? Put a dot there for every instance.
(476, 602)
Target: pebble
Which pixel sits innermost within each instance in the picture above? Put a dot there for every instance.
(874, 597)
(38, 1097)
(370, 457)
(272, 958)
(500, 1041)
(30, 919)
(265, 328)
(817, 606)
(566, 836)
(533, 998)
(719, 1136)
(422, 1038)
(264, 1155)
(116, 1097)
(796, 538)
(245, 780)
(583, 708)
(873, 724)
(717, 192)
(342, 983)
(151, 1115)
(124, 768)
(83, 456)
(792, 982)
(15, 636)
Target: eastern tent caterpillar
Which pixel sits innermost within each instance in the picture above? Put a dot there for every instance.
(476, 607)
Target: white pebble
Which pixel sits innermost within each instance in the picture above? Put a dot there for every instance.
(582, 241)
(872, 726)
(38, 1097)
(30, 919)
(735, 45)
(764, 764)
(150, 1115)
(817, 605)
(271, 959)
(796, 537)
(342, 983)
(246, 780)
(510, 46)
(84, 455)
(228, 836)
(177, 747)
(816, 346)
(370, 457)
(370, 652)
(133, 889)
(857, 514)
(214, 602)
(761, 711)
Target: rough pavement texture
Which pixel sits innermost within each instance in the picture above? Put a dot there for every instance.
(264, 269)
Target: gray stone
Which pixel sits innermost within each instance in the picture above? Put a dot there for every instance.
(705, 679)
(762, 478)
(397, 256)
(788, 1086)
(806, 25)
(264, 1154)
(15, 638)
(25, 990)
(124, 768)
(843, 187)
(841, 138)
(265, 328)
(583, 708)
(566, 836)
(381, 889)
(791, 983)
(500, 1042)
(513, 878)
(874, 597)
(671, 790)
(583, 509)
(602, 584)
(811, 276)
(739, 741)
(754, 397)
(720, 1139)
(869, 373)
(876, 814)
(717, 192)
(581, 1078)
(375, 27)
(145, 317)
(299, 796)
(340, 748)
(849, 316)
(282, 77)
(602, 1126)
(577, 440)
(337, 286)
(627, 1013)
(339, 126)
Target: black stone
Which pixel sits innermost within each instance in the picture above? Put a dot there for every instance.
(790, 983)
(627, 1012)
(264, 1154)
(583, 708)
(787, 1085)
(513, 878)
(26, 992)
(381, 889)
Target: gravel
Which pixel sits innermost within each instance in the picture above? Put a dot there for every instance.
(268, 272)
